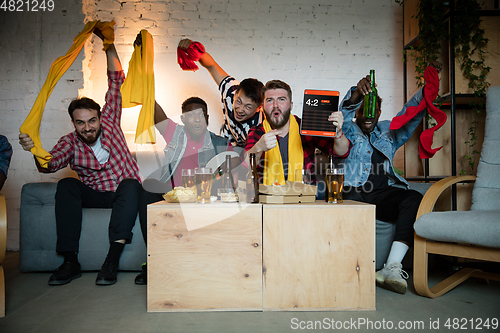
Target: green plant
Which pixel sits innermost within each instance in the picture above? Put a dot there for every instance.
(470, 44)
(469, 49)
(432, 32)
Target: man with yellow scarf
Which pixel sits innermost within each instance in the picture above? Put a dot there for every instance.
(277, 143)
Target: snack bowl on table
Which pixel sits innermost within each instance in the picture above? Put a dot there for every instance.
(181, 194)
(227, 195)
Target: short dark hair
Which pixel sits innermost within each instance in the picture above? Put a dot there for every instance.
(252, 88)
(83, 103)
(194, 100)
(277, 84)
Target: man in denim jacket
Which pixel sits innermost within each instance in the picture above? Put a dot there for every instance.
(5, 156)
(370, 176)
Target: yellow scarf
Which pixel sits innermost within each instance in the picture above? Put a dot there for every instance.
(139, 88)
(32, 123)
(273, 165)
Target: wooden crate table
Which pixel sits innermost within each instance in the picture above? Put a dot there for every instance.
(237, 257)
(215, 265)
(319, 256)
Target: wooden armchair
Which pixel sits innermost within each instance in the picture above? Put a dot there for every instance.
(471, 234)
(423, 246)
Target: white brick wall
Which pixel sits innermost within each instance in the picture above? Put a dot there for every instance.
(29, 43)
(313, 44)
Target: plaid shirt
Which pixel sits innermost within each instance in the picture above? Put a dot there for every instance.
(309, 143)
(73, 151)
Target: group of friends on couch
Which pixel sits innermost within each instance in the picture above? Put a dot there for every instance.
(257, 119)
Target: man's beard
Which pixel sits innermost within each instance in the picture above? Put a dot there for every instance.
(280, 121)
(90, 141)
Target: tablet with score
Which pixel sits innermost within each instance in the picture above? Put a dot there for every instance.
(317, 107)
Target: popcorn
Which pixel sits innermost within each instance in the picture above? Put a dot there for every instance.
(181, 194)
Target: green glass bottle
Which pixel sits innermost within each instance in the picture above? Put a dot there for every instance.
(370, 106)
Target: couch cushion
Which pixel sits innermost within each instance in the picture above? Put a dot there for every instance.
(472, 227)
(38, 234)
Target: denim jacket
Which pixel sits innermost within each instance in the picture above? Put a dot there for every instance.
(5, 155)
(357, 165)
(174, 151)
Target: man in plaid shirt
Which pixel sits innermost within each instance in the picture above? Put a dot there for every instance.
(109, 177)
(277, 104)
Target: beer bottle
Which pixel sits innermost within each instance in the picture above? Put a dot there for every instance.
(330, 166)
(228, 179)
(252, 181)
(371, 98)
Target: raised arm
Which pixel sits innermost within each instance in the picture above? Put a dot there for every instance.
(362, 88)
(351, 102)
(113, 60)
(60, 153)
(160, 118)
(206, 60)
(340, 142)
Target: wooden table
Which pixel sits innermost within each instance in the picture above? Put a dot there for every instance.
(237, 257)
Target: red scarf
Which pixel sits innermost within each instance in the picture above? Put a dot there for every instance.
(430, 92)
(187, 58)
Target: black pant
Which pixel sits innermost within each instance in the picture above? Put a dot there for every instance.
(146, 199)
(392, 204)
(72, 195)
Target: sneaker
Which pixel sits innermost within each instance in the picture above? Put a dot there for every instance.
(392, 277)
(65, 273)
(107, 275)
(142, 278)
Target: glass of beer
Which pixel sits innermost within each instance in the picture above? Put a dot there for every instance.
(335, 184)
(203, 180)
(187, 178)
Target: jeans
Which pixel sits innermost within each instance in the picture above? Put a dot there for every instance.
(72, 195)
(392, 204)
(146, 199)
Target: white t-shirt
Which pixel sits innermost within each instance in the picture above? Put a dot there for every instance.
(100, 153)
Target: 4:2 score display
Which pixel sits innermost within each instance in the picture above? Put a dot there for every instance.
(27, 5)
(312, 102)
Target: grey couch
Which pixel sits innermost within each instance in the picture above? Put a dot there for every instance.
(38, 234)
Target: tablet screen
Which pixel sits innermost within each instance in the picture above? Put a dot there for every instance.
(317, 107)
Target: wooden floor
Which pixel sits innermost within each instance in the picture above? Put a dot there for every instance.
(81, 306)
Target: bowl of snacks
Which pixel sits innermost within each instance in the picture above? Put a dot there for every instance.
(181, 194)
(227, 195)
